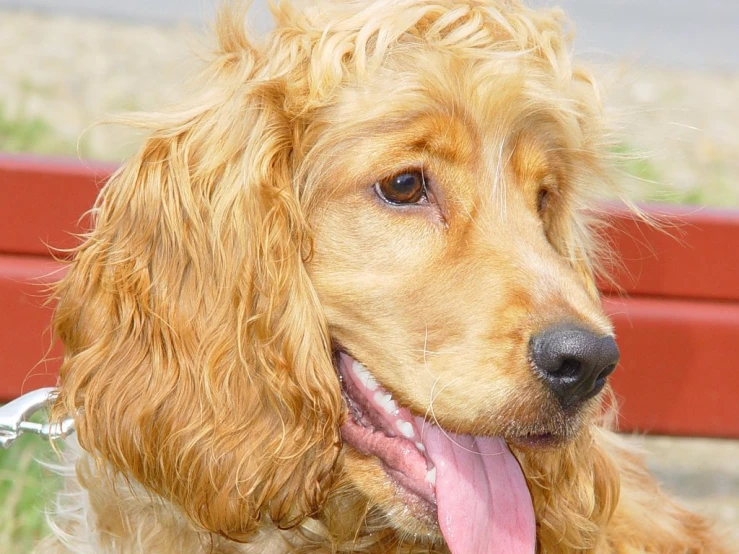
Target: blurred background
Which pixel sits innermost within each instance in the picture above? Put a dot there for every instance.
(670, 71)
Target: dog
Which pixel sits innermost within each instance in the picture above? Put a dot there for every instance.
(343, 299)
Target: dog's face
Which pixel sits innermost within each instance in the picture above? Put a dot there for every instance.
(442, 250)
(372, 227)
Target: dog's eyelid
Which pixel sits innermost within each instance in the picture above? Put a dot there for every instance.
(549, 182)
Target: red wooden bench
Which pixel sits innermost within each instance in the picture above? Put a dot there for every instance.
(678, 328)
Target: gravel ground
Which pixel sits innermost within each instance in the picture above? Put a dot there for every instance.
(62, 74)
(703, 473)
(67, 74)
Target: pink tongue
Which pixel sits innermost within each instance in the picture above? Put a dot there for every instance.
(483, 503)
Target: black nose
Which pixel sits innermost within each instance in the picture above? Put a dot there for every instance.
(574, 362)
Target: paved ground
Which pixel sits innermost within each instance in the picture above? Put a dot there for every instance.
(668, 33)
(139, 10)
(679, 34)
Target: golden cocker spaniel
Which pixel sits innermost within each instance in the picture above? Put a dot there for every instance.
(343, 300)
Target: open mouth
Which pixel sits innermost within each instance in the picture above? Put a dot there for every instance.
(378, 426)
(472, 485)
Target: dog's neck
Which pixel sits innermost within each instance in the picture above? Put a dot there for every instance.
(95, 514)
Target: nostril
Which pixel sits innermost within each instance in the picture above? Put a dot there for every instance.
(609, 356)
(574, 362)
(600, 381)
(569, 367)
(607, 371)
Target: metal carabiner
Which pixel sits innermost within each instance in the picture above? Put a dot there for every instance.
(14, 418)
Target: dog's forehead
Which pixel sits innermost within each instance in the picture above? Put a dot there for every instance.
(483, 92)
(492, 99)
(485, 72)
(471, 119)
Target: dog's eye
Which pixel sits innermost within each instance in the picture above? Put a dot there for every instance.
(404, 188)
(547, 194)
(542, 200)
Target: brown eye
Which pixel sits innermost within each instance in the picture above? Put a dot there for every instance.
(404, 188)
(547, 194)
(542, 200)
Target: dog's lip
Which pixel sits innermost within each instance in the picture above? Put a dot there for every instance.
(380, 430)
(537, 441)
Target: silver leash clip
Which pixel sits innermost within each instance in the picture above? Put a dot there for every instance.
(14, 418)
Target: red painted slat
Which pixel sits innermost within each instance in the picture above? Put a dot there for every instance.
(691, 256)
(25, 360)
(43, 201)
(678, 365)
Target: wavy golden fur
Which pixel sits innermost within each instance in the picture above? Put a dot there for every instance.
(243, 242)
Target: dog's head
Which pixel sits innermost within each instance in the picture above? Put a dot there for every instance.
(375, 225)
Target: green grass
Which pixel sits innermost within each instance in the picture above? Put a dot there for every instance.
(714, 189)
(22, 133)
(26, 488)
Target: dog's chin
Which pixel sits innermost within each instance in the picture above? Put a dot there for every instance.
(391, 456)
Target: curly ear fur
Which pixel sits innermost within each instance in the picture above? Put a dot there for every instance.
(197, 358)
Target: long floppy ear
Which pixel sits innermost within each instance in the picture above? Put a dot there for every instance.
(197, 357)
